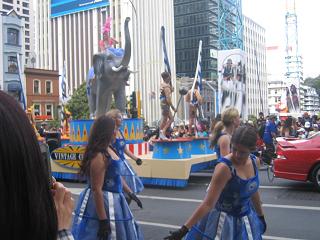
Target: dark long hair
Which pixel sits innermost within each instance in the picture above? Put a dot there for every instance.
(246, 136)
(28, 210)
(100, 138)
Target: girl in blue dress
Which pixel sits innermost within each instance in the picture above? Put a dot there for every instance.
(102, 211)
(233, 195)
(223, 130)
(130, 176)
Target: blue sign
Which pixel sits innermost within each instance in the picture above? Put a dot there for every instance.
(64, 7)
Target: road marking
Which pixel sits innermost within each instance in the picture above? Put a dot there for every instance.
(76, 191)
(159, 225)
(262, 187)
(199, 201)
(177, 227)
(170, 199)
(274, 187)
(291, 207)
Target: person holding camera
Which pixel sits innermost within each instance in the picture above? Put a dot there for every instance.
(32, 206)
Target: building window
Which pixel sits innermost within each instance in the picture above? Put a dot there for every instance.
(48, 87)
(49, 110)
(12, 64)
(36, 109)
(13, 36)
(36, 87)
(7, 7)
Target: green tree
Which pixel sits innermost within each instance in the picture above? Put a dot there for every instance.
(78, 104)
(313, 82)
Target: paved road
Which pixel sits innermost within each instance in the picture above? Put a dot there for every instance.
(292, 208)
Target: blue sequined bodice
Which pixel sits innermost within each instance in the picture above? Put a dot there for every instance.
(120, 145)
(236, 196)
(112, 178)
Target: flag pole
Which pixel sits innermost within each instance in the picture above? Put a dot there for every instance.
(22, 98)
(197, 69)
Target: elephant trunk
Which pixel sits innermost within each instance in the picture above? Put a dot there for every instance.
(127, 49)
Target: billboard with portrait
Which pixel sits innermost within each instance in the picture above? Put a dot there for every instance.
(65, 7)
(232, 80)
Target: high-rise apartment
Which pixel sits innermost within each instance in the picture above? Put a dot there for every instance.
(25, 9)
(254, 42)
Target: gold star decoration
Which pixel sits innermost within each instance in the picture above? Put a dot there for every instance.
(180, 150)
(166, 150)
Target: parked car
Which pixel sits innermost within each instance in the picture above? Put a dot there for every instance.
(298, 159)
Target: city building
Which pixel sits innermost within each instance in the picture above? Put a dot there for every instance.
(276, 96)
(42, 90)
(196, 20)
(24, 8)
(311, 101)
(147, 58)
(68, 36)
(256, 72)
(75, 30)
(12, 54)
(43, 58)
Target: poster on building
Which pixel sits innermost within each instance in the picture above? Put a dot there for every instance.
(232, 80)
(288, 103)
(292, 95)
(64, 7)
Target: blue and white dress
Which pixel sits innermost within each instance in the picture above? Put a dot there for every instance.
(233, 217)
(129, 175)
(86, 222)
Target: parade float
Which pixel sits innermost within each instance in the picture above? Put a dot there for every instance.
(171, 162)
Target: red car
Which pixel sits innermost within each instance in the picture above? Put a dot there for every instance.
(298, 159)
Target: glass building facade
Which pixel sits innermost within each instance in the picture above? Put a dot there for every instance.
(196, 20)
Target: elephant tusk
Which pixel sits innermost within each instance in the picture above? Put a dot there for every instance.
(117, 69)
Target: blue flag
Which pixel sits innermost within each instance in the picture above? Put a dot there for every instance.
(164, 49)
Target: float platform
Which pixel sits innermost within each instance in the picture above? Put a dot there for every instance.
(171, 172)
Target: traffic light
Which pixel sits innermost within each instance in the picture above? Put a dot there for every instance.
(133, 100)
(133, 105)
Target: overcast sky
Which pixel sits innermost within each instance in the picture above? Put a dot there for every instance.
(270, 14)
